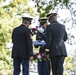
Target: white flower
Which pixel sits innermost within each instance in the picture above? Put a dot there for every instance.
(41, 29)
(39, 57)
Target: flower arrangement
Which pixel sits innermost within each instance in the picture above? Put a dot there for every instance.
(40, 56)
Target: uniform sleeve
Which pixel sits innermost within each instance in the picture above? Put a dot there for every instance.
(48, 37)
(29, 42)
(13, 36)
(65, 35)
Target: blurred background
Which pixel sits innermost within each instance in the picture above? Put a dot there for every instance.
(11, 12)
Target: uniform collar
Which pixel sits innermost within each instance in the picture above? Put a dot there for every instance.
(23, 24)
(54, 22)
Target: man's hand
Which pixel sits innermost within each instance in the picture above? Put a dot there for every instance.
(47, 55)
(31, 58)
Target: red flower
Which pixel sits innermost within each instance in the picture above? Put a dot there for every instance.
(40, 56)
(45, 56)
(33, 29)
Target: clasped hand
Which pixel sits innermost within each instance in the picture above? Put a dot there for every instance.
(31, 58)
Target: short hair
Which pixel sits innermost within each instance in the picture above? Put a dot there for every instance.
(25, 21)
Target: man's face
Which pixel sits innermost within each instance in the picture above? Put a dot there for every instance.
(29, 23)
(45, 25)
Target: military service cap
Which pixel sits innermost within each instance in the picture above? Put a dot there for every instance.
(51, 14)
(44, 20)
(27, 18)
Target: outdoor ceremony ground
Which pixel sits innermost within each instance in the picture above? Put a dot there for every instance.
(31, 73)
(33, 68)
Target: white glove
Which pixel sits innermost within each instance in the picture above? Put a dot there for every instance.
(41, 29)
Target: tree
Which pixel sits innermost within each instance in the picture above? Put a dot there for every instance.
(44, 7)
(10, 17)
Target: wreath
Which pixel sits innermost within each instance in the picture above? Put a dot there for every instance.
(40, 56)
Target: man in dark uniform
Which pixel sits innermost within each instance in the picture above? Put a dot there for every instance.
(22, 49)
(43, 65)
(55, 37)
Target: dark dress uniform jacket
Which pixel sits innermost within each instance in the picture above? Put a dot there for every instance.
(22, 43)
(55, 37)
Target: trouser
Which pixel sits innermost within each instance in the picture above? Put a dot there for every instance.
(25, 66)
(44, 67)
(57, 65)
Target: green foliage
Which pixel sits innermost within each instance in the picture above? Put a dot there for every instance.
(66, 2)
(48, 8)
(44, 8)
(9, 19)
(69, 65)
(5, 61)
